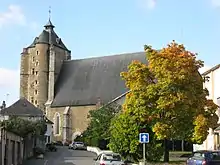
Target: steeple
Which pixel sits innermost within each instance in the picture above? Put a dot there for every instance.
(49, 24)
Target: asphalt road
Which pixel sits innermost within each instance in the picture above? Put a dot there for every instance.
(64, 156)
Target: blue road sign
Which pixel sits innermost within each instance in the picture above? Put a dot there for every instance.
(144, 138)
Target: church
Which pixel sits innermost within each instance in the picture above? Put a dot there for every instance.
(67, 89)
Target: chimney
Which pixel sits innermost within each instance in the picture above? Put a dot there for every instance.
(3, 106)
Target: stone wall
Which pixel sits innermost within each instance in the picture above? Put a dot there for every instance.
(11, 147)
(77, 120)
(37, 70)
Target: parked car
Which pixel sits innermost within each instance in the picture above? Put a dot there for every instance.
(51, 147)
(77, 145)
(109, 159)
(204, 157)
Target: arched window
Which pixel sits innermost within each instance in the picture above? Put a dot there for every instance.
(57, 123)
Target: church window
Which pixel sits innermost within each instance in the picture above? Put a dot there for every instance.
(37, 63)
(36, 72)
(32, 99)
(35, 92)
(37, 52)
(35, 102)
(33, 59)
(33, 71)
(36, 82)
(57, 123)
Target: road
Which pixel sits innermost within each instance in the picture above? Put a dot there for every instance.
(64, 156)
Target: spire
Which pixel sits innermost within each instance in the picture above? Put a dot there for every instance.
(49, 24)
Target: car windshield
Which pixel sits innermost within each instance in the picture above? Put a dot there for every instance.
(112, 157)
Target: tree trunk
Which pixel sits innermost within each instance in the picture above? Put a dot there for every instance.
(182, 146)
(166, 151)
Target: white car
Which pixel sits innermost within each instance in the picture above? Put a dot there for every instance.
(110, 158)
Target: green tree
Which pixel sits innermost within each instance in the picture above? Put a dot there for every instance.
(98, 128)
(167, 94)
(125, 128)
(23, 127)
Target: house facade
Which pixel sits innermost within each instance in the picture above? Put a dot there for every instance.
(212, 83)
(27, 111)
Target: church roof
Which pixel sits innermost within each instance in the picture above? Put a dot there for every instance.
(85, 81)
(43, 38)
(22, 107)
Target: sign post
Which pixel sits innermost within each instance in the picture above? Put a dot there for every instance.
(144, 138)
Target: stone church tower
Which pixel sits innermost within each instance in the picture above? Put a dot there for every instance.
(40, 66)
(66, 90)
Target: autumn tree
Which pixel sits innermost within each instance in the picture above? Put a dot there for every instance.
(167, 94)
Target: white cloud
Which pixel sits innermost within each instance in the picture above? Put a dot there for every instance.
(9, 78)
(13, 15)
(147, 4)
(9, 85)
(215, 3)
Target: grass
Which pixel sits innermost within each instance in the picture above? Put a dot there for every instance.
(176, 158)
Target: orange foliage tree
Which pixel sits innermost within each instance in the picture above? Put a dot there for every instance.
(167, 94)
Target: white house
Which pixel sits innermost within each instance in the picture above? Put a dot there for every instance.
(212, 83)
(26, 110)
(49, 132)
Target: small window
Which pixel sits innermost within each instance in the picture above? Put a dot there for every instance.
(36, 82)
(35, 92)
(37, 52)
(32, 71)
(33, 59)
(36, 72)
(35, 102)
(37, 63)
(32, 99)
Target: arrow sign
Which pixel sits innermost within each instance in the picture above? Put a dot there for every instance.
(144, 138)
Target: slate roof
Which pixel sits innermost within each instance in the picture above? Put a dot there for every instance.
(84, 81)
(22, 107)
(43, 38)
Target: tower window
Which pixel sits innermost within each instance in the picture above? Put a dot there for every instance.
(35, 92)
(33, 71)
(35, 102)
(33, 59)
(32, 99)
(37, 63)
(37, 52)
(35, 82)
(36, 72)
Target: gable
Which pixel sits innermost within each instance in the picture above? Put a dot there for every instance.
(22, 107)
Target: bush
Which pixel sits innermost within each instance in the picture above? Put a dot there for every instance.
(23, 127)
